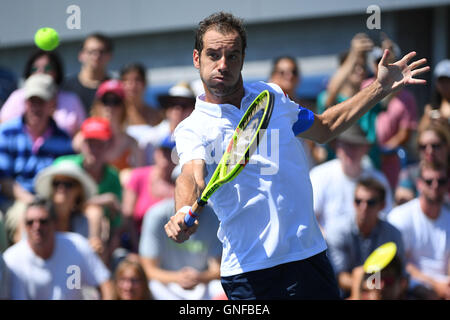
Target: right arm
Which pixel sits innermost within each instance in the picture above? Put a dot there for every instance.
(359, 46)
(188, 188)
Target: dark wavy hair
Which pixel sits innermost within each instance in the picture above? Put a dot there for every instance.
(55, 61)
(224, 23)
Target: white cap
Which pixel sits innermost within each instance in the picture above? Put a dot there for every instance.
(442, 69)
(40, 85)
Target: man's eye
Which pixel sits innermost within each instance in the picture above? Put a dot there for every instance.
(213, 55)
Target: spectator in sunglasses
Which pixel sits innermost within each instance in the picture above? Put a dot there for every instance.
(68, 112)
(52, 265)
(68, 186)
(433, 145)
(425, 226)
(334, 181)
(109, 104)
(350, 241)
(286, 74)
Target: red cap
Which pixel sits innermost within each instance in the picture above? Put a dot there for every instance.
(96, 128)
(114, 86)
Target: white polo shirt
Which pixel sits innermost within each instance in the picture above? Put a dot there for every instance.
(266, 213)
(427, 241)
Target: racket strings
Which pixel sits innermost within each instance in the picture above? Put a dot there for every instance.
(245, 135)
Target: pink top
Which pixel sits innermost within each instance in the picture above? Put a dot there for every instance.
(140, 183)
(400, 113)
(69, 113)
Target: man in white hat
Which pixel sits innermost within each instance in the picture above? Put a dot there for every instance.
(31, 142)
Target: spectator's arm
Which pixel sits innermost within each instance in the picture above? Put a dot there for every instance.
(14, 190)
(345, 281)
(441, 288)
(359, 45)
(155, 272)
(107, 290)
(213, 271)
(399, 138)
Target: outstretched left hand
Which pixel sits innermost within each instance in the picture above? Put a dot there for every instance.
(394, 76)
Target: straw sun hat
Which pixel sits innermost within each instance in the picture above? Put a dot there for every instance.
(43, 182)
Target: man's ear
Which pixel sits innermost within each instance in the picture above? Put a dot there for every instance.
(196, 58)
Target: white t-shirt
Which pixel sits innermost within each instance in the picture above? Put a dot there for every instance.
(266, 213)
(33, 278)
(334, 191)
(427, 241)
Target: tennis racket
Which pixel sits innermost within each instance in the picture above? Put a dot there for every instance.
(242, 144)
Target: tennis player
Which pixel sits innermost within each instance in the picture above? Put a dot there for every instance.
(272, 244)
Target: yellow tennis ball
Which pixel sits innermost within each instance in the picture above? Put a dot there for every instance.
(47, 39)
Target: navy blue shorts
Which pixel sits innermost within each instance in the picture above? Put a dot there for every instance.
(309, 279)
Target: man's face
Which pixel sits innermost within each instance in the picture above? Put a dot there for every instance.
(220, 62)
(433, 185)
(351, 153)
(38, 111)
(95, 150)
(178, 110)
(432, 148)
(367, 204)
(39, 227)
(94, 54)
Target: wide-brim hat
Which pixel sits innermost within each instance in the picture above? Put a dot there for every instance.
(354, 135)
(43, 181)
(181, 90)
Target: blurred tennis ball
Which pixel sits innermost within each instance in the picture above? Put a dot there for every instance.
(46, 38)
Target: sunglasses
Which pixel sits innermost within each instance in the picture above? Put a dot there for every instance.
(47, 68)
(434, 146)
(95, 51)
(370, 202)
(441, 181)
(287, 72)
(42, 222)
(65, 184)
(112, 101)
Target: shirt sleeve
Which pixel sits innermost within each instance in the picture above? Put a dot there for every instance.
(151, 241)
(189, 143)
(305, 119)
(6, 161)
(13, 107)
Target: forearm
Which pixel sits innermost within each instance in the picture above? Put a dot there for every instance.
(212, 273)
(14, 190)
(107, 290)
(345, 280)
(338, 118)
(398, 139)
(420, 276)
(187, 190)
(154, 272)
(339, 78)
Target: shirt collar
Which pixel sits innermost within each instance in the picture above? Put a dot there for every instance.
(217, 110)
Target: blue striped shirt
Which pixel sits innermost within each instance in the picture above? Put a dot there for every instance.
(18, 162)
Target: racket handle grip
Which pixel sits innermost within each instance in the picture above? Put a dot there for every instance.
(194, 212)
